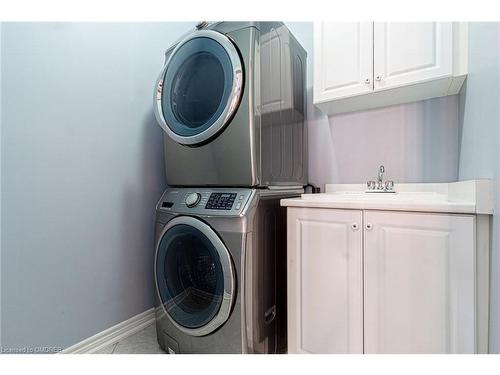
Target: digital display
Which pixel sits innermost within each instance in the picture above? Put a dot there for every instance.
(220, 201)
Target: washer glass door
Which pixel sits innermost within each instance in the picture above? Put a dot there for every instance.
(194, 276)
(199, 88)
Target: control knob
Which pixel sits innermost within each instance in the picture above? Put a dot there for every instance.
(193, 199)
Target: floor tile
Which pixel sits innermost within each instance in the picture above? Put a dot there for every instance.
(143, 342)
(106, 350)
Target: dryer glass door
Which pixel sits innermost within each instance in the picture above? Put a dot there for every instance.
(194, 276)
(199, 88)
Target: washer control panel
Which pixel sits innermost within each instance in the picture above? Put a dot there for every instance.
(220, 201)
(212, 202)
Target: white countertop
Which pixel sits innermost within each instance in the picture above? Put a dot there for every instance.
(469, 197)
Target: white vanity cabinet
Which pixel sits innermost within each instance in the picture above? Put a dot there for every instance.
(406, 272)
(418, 289)
(362, 65)
(325, 281)
(418, 283)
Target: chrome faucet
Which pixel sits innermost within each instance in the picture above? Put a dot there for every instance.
(380, 186)
(380, 177)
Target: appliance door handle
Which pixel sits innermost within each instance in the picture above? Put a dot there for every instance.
(270, 314)
(246, 298)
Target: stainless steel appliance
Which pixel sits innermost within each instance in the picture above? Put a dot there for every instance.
(220, 270)
(231, 99)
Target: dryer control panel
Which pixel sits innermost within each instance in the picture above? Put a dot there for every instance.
(210, 202)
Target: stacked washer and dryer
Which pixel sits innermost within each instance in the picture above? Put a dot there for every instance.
(231, 102)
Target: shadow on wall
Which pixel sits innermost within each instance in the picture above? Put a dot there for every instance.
(439, 132)
(417, 142)
(138, 235)
(461, 110)
(323, 165)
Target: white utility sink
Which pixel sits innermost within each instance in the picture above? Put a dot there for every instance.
(474, 196)
(377, 197)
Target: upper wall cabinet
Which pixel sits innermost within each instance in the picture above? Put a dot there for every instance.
(343, 59)
(362, 65)
(407, 53)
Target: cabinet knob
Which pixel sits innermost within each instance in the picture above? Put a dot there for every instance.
(354, 226)
(369, 226)
(367, 81)
(378, 78)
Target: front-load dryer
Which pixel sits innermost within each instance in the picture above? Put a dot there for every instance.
(220, 270)
(231, 99)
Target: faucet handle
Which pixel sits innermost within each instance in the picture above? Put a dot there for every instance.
(389, 185)
(370, 185)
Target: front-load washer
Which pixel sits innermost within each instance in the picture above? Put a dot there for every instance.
(220, 270)
(231, 99)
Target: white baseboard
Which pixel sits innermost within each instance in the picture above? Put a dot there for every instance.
(113, 335)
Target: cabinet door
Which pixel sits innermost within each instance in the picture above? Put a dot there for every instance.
(419, 283)
(411, 52)
(343, 59)
(325, 284)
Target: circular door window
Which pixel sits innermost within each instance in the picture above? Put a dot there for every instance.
(194, 276)
(199, 88)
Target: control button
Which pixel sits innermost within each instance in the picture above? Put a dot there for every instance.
(238, 205)
(193, 199)
(241, 197)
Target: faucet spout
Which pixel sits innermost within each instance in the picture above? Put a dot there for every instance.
(380, 174)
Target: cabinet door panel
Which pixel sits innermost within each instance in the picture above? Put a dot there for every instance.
(419, 280)
(324, 281)
(411, 52)
(343, 59)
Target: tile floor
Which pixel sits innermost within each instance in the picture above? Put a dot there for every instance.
(142, 342)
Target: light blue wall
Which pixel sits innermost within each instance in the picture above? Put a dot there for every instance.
(479, 104)
(82, 169)
(480, 139)
(417, 142)
(0, 184)
(495, 266)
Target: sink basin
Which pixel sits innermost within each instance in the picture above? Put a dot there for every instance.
(377, 197)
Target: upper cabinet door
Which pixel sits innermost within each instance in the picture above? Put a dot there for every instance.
(343, 59)
(419, 283)
(411, 52)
